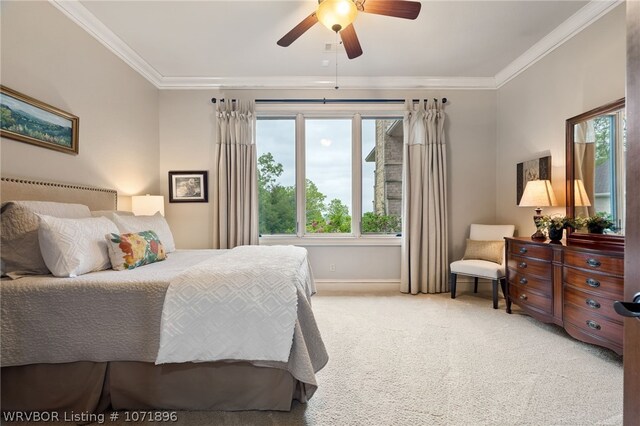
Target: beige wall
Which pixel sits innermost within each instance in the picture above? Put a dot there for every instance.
(50, 58)
(585, 72)
(187, 134)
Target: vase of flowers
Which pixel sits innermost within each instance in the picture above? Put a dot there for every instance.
(598, 223)
(555, 226)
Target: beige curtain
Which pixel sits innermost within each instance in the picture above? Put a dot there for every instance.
(235, 188)
(424, 227)
(584, 164)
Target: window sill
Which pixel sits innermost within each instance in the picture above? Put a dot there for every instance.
(327, 241)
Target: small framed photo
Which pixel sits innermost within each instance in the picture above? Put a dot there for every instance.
(28, 120)
(188, 187)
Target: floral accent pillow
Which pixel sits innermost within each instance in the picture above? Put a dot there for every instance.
(128, 251)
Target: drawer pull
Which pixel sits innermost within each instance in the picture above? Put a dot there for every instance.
(593, 262)
(593, 325)
(593, 283)
(592, 303)
(523, 280)
(522, 264)
(523, 297)
(523, 250)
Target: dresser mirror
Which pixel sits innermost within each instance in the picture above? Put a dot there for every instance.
(595, 176)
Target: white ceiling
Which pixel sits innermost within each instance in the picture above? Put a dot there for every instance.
(233, 43)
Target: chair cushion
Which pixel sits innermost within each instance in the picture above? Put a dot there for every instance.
(492, 251)
(478, 268)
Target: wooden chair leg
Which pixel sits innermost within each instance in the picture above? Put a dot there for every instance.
(495, 294)
(503, 285)
(454, 278)
(475, 284)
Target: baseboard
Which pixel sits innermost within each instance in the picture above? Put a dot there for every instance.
(357, 285)
(357, 281)
(464, 284)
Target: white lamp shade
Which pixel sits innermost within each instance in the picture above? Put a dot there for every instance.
(580, 197)
(147, 205)
(538, 193)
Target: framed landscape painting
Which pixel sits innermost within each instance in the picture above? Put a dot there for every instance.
(28, 120)
(188, 187)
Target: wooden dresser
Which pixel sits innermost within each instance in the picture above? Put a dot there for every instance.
(568, 285)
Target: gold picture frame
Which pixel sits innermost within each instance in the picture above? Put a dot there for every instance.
(29, 120)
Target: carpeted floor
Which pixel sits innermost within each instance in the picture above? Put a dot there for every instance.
(429, 360)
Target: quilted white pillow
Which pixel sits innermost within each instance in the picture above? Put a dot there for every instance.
(155, 223)
(109, 214)
(72, 247)
(19, 233)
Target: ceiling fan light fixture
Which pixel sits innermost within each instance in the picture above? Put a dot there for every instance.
(337, 14)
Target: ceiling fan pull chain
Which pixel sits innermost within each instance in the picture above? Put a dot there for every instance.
(336, 87)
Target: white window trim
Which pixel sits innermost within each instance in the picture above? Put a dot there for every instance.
(332, 240)
(355, 112)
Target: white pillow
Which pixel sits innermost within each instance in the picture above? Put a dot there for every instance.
(155, 223)
(109, 214)
(72, 247)
(19, 234)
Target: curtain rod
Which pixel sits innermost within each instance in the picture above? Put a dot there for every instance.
(330, 101)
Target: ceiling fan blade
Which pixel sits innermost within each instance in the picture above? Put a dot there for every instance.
(350, 41)
(298, 30)
(395, 8)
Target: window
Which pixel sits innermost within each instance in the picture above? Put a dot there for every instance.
(275, 143)
(330, 174)
(610, 152)
(382, 151)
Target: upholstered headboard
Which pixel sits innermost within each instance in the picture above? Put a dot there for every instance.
(14, 189)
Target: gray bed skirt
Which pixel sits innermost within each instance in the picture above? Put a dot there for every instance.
(92, 387)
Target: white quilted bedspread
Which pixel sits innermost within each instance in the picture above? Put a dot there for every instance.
(241, 305)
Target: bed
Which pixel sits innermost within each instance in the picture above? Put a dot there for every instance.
(88, 343)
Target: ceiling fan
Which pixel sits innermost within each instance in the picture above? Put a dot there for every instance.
(338, 16)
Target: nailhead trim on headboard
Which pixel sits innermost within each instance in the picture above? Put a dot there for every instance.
(24, 181)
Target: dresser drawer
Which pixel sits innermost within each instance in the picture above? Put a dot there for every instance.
(605, 285)
(528, 281)
(595, 304)
(525, 298)
(530, 250)
(595, 262)
(528, 266)
(592, 323)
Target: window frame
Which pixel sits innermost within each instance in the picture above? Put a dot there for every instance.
(355, 112)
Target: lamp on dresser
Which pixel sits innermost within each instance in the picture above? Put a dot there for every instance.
(538, 194)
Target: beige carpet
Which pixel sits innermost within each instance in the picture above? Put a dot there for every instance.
(428, 360)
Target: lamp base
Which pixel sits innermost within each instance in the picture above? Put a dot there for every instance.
(538, 235)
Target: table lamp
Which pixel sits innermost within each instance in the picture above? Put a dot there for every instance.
(538, 194)
(147, 205)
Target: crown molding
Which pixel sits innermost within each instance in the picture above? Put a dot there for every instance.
(75, 11)
(580, 20)
(323, 82)
(79, 14)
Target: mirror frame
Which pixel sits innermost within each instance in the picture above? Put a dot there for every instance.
(615, 241)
